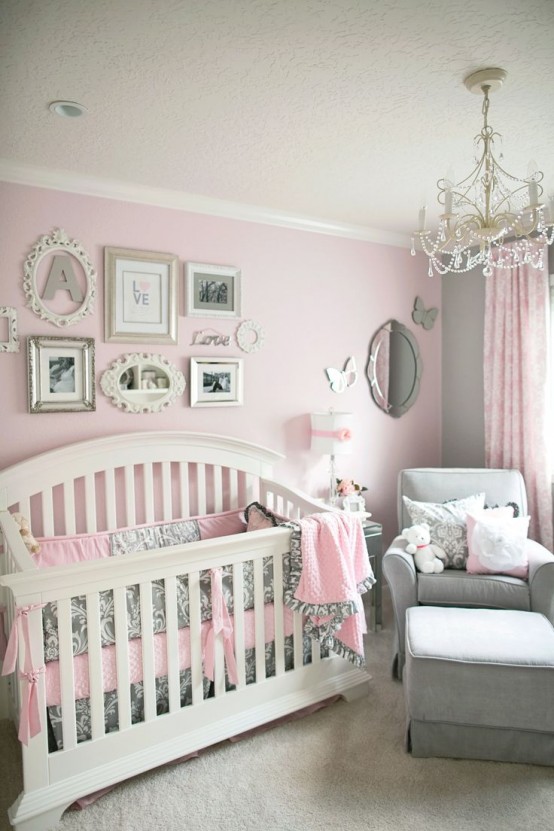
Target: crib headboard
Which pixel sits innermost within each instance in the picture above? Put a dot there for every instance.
(133, 478)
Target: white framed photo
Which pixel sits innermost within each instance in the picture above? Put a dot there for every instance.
(216, 382)
(212, 290)
(60, 374)
(141, 296)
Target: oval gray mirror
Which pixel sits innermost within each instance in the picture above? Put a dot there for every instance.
(394, 368)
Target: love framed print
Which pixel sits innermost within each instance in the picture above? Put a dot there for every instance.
(216, 382)
(212, 290)
(61, 374)
(141, 296)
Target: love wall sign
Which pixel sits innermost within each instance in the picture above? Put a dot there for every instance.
(140, 296)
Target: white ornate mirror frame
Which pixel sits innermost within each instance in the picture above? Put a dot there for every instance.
(58, 241)
(142, 383)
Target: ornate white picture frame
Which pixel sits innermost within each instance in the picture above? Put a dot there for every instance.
(141, 296)
(142, 383)
(61, 374)
(12, 343)
(213, 290)
(216, 382)
(80, 288)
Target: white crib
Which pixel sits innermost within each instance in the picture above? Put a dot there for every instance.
(124, 480)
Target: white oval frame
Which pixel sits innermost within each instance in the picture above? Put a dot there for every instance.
(142, 400)
(58, 240)
(245, 328)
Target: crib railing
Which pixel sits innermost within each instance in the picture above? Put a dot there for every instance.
(33, 588)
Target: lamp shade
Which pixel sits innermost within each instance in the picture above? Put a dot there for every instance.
(331, 433)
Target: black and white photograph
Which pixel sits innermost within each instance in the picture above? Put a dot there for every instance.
(62, 374)
(213, 290)
(216, 382)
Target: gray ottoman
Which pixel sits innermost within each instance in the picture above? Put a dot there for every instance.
(479, 684)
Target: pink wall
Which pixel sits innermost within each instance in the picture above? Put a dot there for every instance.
(319, 299)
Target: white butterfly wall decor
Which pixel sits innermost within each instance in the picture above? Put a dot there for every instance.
(426, 317)
(340, 379)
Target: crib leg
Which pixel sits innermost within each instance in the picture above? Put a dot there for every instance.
(47, 819)
(360, 690)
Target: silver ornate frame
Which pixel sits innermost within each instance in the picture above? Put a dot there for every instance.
(84, 351)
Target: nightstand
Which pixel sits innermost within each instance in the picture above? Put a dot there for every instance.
(373, 535)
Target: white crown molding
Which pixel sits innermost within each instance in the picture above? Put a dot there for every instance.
(64, 180)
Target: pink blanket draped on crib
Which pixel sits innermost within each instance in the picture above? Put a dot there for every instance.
(329, 571)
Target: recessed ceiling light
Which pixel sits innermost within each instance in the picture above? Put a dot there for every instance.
(67, 109)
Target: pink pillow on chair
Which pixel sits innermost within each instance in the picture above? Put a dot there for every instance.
(497, 543)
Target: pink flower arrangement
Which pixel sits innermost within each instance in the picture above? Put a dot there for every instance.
(346, 487)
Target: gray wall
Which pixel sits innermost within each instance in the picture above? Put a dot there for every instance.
(463, 303)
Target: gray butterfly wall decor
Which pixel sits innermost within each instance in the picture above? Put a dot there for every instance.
(424, 317)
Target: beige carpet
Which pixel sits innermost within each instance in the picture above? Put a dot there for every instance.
(341, 768)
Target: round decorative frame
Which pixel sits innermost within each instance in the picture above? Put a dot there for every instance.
(245, 330)
(47, 244)
(142, 399)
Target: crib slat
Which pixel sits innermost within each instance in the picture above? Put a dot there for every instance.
(25, 509)
(238, 615)
(69, 726)
(251, 492)
(233, 489)
(47, 505)
(95, 666)
(122, 658)
(148, 492)
(68, 508)
(259, 618)
(279, 615)
(166, 491)
(172, 643)
(201, 488)
(184, 489)
(195, 637)
(109, 496)
(298, 640)
(148, 668)
(90, 504)
(218, 489)
(130, 513)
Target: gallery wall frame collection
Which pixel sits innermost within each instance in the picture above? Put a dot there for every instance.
(141, 306)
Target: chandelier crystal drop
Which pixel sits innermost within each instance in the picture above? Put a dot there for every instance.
(489, 208)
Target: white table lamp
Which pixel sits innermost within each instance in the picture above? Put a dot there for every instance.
(332, 436)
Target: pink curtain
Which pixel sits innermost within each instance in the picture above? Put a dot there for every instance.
(516, 385)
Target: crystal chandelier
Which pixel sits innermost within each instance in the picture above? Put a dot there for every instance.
(489, 208)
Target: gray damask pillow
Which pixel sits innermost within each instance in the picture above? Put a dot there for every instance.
(447, 524)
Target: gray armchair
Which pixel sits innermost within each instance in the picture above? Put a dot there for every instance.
(456, 587)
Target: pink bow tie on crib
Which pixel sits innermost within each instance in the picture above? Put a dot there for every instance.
(220, 623)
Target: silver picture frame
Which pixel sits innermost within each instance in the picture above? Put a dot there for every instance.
(61, 374)
(141, 294)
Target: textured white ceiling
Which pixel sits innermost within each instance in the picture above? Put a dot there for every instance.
(344, 110)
